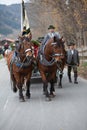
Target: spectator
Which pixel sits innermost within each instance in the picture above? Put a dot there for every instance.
(72, 62)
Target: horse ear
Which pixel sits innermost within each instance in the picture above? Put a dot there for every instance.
(62, 40)
(55, 38)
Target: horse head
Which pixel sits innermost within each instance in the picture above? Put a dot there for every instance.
(25, 48)
(57, 48)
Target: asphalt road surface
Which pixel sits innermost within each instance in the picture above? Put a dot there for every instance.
(67, 111)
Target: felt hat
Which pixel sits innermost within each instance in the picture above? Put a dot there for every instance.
(71, 43)
(24, 27)
(51, 27)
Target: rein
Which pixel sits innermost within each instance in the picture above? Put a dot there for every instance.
(42, 56)
(22, 64)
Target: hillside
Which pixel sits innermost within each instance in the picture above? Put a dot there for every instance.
(10, 19)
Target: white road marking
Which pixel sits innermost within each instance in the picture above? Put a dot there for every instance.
(6, 104)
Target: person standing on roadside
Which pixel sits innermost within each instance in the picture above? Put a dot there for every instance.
(72, 62)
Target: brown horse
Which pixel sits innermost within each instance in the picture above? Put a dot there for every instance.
(20, 64)
(50, 55)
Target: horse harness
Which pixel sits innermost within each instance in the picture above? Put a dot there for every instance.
(17, 61)
(42, 58)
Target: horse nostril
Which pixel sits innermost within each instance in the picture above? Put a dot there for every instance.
(28, 54)
(59, 62)
(57, 59)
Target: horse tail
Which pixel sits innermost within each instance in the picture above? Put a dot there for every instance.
(6, 53)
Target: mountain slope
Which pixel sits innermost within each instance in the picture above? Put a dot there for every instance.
(10, 18)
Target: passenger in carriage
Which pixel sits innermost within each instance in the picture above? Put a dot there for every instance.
(24, 31)
(50, 34)
(27, 33)
(72, 62)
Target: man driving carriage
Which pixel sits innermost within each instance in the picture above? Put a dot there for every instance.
(50, 34)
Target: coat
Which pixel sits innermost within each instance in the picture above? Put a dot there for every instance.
(50, 35)
(75, 57)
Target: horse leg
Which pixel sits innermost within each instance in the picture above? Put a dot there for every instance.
(13, 81)
(21, 97)
(52, 89)
(14, 87)
(60, 80)
(28, 89)
(51, 79)
(45, 85)
(43, 88)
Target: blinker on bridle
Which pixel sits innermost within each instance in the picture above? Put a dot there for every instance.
(56, 54)
(28, 50)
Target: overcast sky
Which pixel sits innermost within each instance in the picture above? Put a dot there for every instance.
(9, 2)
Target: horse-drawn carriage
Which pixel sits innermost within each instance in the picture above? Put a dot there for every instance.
(36, 77)
(47, 62)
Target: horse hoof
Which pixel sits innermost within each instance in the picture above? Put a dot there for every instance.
(48, 99)
(28, 96)
(52, 95)
(21, 99)
(14, 89)
(59, 86)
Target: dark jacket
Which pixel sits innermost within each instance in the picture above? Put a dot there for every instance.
(75, 57)
(24, 32)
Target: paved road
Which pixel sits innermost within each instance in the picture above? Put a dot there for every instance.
(67, 111)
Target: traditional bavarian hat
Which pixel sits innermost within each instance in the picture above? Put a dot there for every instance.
(51, 27)
(70, 43)
(24, 27)
(28, 31)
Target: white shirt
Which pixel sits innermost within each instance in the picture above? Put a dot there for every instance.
(72, 51)
(54, 34)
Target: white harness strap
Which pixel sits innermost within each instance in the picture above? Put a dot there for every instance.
(27, 50)
(54, 43)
